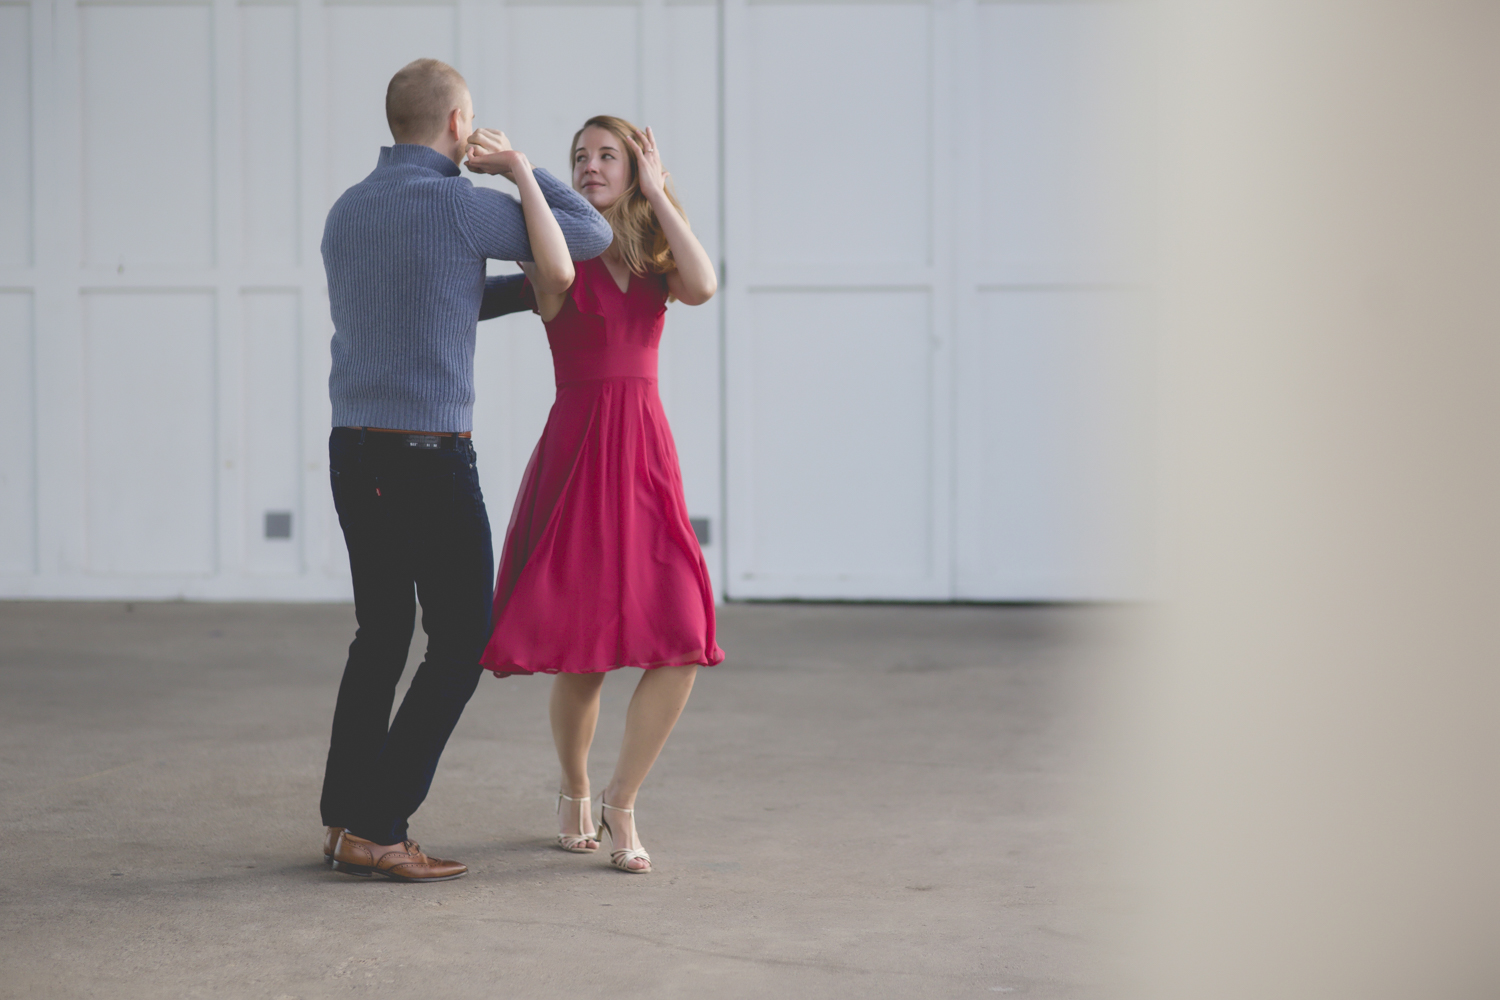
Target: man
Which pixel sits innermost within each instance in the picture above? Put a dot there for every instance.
(405, 253)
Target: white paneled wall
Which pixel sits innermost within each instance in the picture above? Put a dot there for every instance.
(271, 361)
(147, 82)
(270, 203)
(165, 169)
(1052, 396)
(935, 340)
(841, 442)
(924, 379)
(149, 380)
(17, 304)
(1052, 387)
(15, 121)
(838, 458)
(18, 442)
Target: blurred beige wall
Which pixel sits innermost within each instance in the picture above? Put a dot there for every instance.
(1315, 791)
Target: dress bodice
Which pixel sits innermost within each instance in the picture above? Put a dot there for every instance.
(602, 332)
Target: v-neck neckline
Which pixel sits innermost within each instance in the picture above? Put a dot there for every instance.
(628, 275)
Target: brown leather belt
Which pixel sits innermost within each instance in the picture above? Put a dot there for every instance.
(425, 440)
(441, 434)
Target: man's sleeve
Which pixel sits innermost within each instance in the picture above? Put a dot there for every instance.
(496, 226)
(503, 295)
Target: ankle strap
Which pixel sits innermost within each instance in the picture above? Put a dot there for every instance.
(606, 805)
(586, 798)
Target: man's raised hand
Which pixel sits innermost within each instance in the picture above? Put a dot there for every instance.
(490, 153)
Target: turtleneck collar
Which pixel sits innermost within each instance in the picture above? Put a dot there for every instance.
(411, 154)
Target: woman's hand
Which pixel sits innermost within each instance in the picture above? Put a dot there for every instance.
(693, 282)
(652, 177)
(490, 153)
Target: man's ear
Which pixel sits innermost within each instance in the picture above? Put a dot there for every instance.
(455, 124)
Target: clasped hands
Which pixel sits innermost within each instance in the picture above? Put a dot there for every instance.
(490, 153)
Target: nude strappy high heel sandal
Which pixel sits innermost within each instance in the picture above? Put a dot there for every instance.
(621, 857)
(577, 843)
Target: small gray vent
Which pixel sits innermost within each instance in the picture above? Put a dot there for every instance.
(700, 528)
(278, 524)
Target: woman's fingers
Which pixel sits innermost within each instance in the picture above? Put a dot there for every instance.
(489, 140)
(648, 159)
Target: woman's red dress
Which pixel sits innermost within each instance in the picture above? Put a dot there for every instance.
(600, 567)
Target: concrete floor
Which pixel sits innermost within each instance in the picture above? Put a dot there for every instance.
(863, 801)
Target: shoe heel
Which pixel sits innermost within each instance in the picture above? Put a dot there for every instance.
(348, 869)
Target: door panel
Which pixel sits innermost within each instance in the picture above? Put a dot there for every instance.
(840, 491)
(1055, 402)
(836, 138)
(147, 73)
(15, 125)
(1052, 357)
(837, 460)
(17, 444)
(1054, 93)
(273, 471)
(268, 95)
(149, 376)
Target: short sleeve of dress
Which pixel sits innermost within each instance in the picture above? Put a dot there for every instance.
(585, 298)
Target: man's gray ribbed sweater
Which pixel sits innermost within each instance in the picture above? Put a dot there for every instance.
(405, 252)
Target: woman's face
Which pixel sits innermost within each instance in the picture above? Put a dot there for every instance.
(601, 168)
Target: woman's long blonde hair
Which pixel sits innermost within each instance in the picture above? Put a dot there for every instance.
(639, 239)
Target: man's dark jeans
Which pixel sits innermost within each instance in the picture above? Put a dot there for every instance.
(416, 528)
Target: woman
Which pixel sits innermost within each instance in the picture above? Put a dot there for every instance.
(601, 568)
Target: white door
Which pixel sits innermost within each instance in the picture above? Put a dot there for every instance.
(935, 363)
(1052, 375)
(837, 300)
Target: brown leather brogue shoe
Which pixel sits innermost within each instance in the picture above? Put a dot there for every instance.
(330, 843)
(356, 856)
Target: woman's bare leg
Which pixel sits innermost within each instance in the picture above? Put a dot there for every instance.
(574, 710)
(654, 709)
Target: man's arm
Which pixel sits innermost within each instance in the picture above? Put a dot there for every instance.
(496, 226)
(502, 296)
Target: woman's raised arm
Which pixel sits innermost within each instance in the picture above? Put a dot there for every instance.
(694, 281)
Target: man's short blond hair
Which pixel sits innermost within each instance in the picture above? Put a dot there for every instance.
(419, 99)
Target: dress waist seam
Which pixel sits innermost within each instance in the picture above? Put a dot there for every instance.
(606, 378)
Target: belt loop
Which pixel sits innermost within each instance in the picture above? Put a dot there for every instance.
(361, 435)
